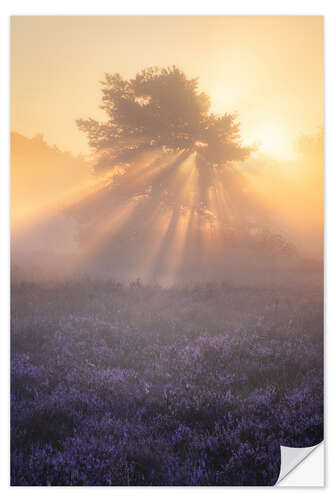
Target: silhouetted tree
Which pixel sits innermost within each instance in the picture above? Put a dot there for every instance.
(160, 197)
(161, 108)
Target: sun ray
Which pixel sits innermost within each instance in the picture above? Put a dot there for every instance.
(107, 229)
(169, 245)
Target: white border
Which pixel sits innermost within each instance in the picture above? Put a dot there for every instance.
(142, 7)
(172, 7)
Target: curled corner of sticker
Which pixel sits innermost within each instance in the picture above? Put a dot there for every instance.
(291, 458)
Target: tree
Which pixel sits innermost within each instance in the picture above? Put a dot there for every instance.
(178, 201)
(161, 108)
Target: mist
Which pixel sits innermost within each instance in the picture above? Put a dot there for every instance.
(166, 248)
(147, 221)
(294, 191)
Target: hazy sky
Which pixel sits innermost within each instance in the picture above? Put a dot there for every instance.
(269, 69)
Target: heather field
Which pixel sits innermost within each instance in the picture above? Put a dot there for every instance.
(140, 385)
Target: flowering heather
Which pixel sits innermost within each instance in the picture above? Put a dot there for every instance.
(139, 385)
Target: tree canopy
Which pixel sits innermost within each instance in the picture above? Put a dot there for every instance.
(161, 108)
(178, 197)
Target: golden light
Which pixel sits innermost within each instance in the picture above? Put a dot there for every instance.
(273, 139)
